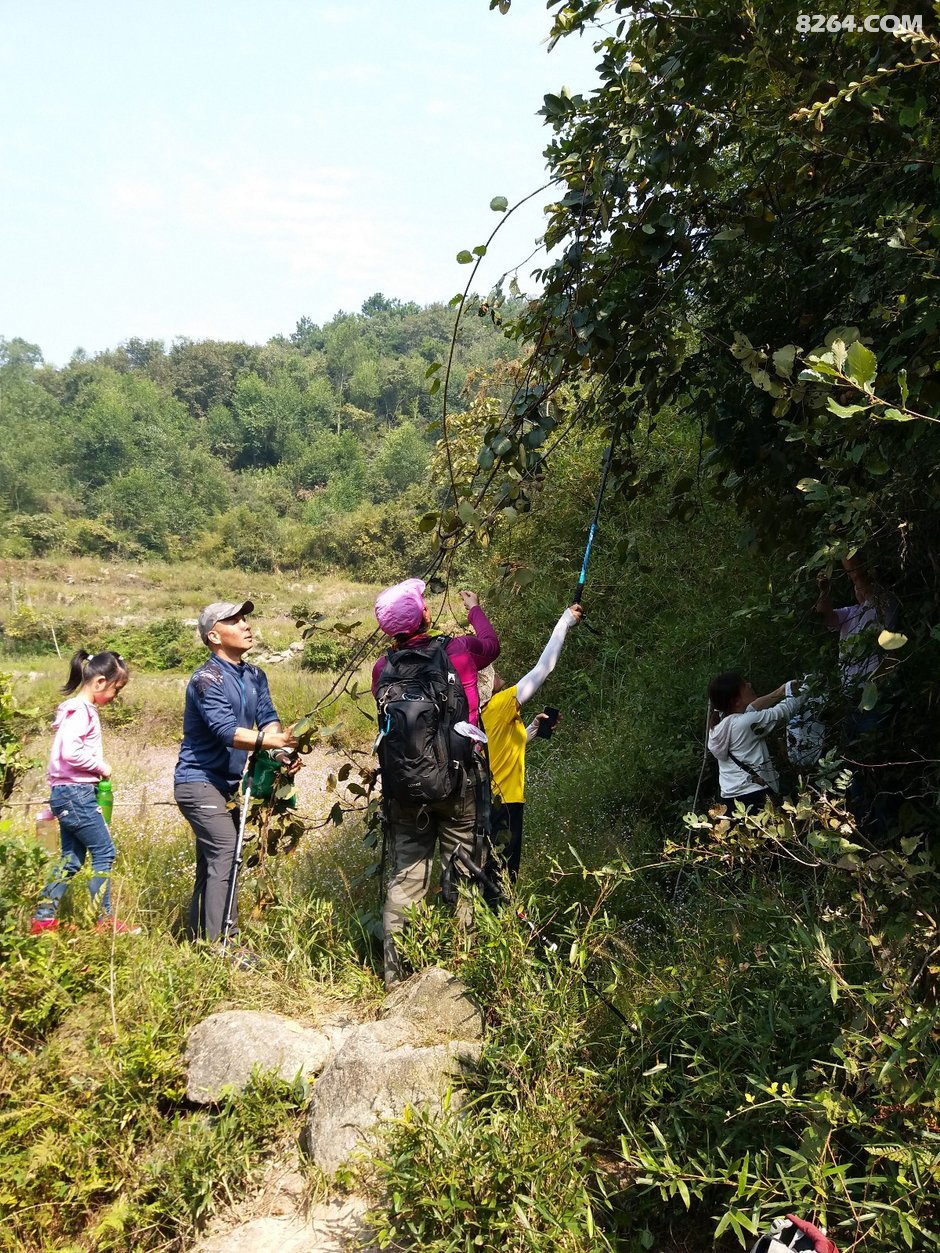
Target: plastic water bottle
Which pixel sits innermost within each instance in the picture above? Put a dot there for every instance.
(47, 829)
(104, 795)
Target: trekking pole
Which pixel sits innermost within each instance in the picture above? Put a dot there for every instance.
(228, 924)
(579, 592)
(488, 881)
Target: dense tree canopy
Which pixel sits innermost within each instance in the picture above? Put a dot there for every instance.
(744, 245)
(207, 442)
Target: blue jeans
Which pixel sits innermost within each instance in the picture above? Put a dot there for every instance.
(83, 830)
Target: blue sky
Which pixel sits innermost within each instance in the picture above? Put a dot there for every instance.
(219, 168)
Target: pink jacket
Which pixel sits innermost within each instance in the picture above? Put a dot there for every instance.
(77, 755)
(469, 653)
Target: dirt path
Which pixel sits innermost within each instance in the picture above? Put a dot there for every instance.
(143, 781)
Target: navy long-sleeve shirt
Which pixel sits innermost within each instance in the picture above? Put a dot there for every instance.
(220, 697)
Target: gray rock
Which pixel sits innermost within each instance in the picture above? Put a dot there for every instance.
(222, 1050)
(328, 1228)
(376, 1074)
(438, 1005)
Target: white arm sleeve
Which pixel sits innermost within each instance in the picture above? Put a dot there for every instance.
(530, 683)
(783, 711)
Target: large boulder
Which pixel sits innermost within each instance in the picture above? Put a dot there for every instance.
(328, 1228)
(224, 1048)
(438, 1006)
(413, 1057)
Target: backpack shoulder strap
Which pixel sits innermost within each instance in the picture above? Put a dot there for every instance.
(754, 775)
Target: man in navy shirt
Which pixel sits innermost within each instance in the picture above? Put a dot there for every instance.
(228, 714)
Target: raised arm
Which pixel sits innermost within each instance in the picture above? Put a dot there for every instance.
(823, 604)
(790, 688)
(530, 683)
(483, 646)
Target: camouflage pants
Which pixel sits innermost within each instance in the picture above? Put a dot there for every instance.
(412, 832)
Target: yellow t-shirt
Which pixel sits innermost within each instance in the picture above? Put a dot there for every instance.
(506, 734)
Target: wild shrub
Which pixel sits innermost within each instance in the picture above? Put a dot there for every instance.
(324, 651)
(777, 977)
(783, 1045)
(13, 723)
(516, 1169)
(166, 644)
(41, 531)
(30, 630)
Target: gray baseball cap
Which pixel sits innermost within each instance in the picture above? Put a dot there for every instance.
(216, 612)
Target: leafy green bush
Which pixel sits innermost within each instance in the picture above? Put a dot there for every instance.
(325, 651)
(97, 538)
(13, 761)
(166, 644)
(375, 543)
(42, 531)
(26, 630)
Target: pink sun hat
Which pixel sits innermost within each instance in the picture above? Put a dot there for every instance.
(400, 609)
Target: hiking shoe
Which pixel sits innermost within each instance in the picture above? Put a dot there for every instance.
(39, 926)
(118, 926)
(241, 958)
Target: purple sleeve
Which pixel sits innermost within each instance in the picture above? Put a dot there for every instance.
(483, 647)
(377, 672)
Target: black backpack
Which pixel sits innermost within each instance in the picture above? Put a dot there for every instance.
(420, 699)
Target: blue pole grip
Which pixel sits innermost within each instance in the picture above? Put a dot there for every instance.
(582, 579)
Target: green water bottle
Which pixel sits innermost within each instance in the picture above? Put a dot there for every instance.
(104, 795)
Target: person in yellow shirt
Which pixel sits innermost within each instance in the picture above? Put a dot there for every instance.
(508, 735)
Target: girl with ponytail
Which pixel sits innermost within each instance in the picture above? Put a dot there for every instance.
(76, 764)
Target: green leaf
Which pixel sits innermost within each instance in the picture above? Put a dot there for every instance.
(480, 250)
(432, 369)
(499, 204)
(304, 726)
(895, 415)
(813, 489)
(783, 360)
(843, 411)
(869, 698)
(837, 353)
(467, 514)
(464, 257)
(902, 384)
(892, 639)
(862, 365)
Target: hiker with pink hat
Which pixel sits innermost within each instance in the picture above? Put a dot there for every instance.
(401, 612)
(434, 784)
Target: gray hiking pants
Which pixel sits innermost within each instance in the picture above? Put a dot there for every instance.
(412, 832)
(216, 830)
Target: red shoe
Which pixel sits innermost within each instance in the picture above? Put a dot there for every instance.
(40, 925)
(118, 926)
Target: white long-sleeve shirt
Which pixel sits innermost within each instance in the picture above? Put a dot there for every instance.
(743, 735)
(529, 684)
